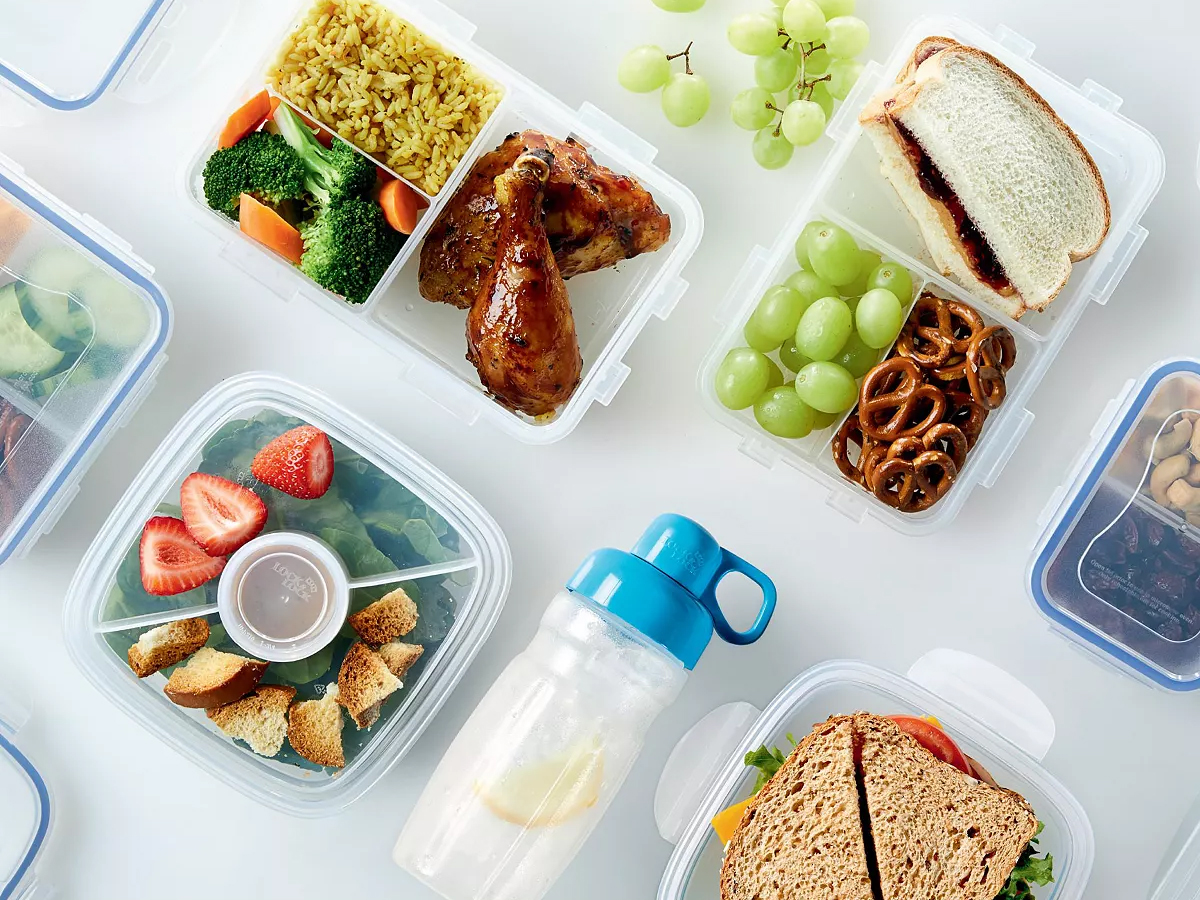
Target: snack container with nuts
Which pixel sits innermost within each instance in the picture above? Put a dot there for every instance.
(850, 192)
(1117, 566)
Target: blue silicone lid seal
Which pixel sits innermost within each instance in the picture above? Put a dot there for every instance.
(23, 792)
(666, 587)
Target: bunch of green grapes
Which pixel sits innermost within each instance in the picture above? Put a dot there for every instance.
(685, 95)
(828, 323)
(804, 60)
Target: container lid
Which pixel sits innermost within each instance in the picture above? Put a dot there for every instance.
(1118, 564)
(667, 587)
(83, 328)
(25, 800)
(66, 55)
(388, 517)
(1178, 878)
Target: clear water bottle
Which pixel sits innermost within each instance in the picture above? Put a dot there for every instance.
(541, 758)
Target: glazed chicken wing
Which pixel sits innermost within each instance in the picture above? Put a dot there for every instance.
(520, 330)
(594, 219)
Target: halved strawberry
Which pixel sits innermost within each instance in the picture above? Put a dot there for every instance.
(172, 562)
(220, 514)
(298, 462)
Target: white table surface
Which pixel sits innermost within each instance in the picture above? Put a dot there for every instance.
(133, 817)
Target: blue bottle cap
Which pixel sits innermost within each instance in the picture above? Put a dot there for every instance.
(667, 587)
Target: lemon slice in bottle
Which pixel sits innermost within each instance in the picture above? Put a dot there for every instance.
(550, 791)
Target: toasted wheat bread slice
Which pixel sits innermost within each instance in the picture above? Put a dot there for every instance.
(212, 678)
(259, 719)
(166, 645)
(392, 616)
(315, 729)
(364, 682)
(801, 838)
(399, 657)
(1033, 193)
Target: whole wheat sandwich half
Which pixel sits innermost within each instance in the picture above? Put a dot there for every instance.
(1005, 195)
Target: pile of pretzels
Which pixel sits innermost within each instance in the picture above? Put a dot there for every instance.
(13, 426)
(922, 409)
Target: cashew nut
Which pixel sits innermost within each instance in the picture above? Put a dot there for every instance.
(1172, 469)
(1171, 442)
(1194, 445)
(1183, 496)
(1193, 475)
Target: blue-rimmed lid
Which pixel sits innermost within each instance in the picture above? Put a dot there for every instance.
(65, 54)
(666, 588)
(24, 810)
(1118, 565)
(83, 328)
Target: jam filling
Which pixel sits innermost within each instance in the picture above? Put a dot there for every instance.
(980, 256)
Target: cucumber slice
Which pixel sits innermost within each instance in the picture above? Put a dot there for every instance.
(22, 351)
(58, 320)
(120, 316)
(40, 390)
(57, 268)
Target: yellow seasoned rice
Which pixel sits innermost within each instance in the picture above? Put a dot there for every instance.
(358, 68)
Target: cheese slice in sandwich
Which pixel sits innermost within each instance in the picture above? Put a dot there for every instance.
(802, 836)
(1005, 195)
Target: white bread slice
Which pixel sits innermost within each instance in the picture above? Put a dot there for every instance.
(260, 719)
(315, 729)
(212, 678)
(399, 657)
(1025, 180)
(364, 682)
(938, 834)
(392, 616)
(802, 838)
(166, 645)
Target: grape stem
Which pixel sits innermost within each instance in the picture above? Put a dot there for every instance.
(686, 53)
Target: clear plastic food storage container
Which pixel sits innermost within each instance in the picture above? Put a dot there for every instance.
(851, 192)
(66, 55)
(993, 717)
(83, 329)
(1117, 564)
(1178, 878)
(25, 823)
(388, 521)
(610, 306)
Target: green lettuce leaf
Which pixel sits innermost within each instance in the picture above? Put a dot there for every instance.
(1031, 869)
(768, 762)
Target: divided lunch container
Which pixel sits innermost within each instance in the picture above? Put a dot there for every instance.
(850, 192)
(83, 330)
(390, 518)
(66, 55)
(1116, 567)
(991, 715)
(25, 823)
(611, 306)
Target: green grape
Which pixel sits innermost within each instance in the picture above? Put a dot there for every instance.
(644, 69)
(803, 122)
(856, 357)
(778, 313)
(847, 36)
(816, 62)
(805, 241)
(843, 73)
(776, 13)
(758, 339)
(822, 420)
(790, 355)
(868, 261)
(804, 21)
(780, 4)
(810, 286)
(827, 387)
(751, 109)
(685, 99)
(824, 328)
(833, 8)
(781, 412)
(741, 377)
(754, 34)
(893, 277)
(775, 377)
(851, 301)
(679, 5)
(771, 149)
(833, 254)
(774, 71)
(879, 318)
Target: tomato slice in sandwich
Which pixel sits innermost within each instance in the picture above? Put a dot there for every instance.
(935, 741)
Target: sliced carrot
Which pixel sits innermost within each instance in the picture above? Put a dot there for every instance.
(245, 119)
(13, 225)
(270, 229)
(400, 205)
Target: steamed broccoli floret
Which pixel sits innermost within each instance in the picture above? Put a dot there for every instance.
(333, 173)
(348, 247)
(260, 164)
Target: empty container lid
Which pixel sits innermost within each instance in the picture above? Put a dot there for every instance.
(24, 811)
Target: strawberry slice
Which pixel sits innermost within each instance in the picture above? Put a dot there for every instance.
(298, 462)
(172, 562)
(220, 514)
